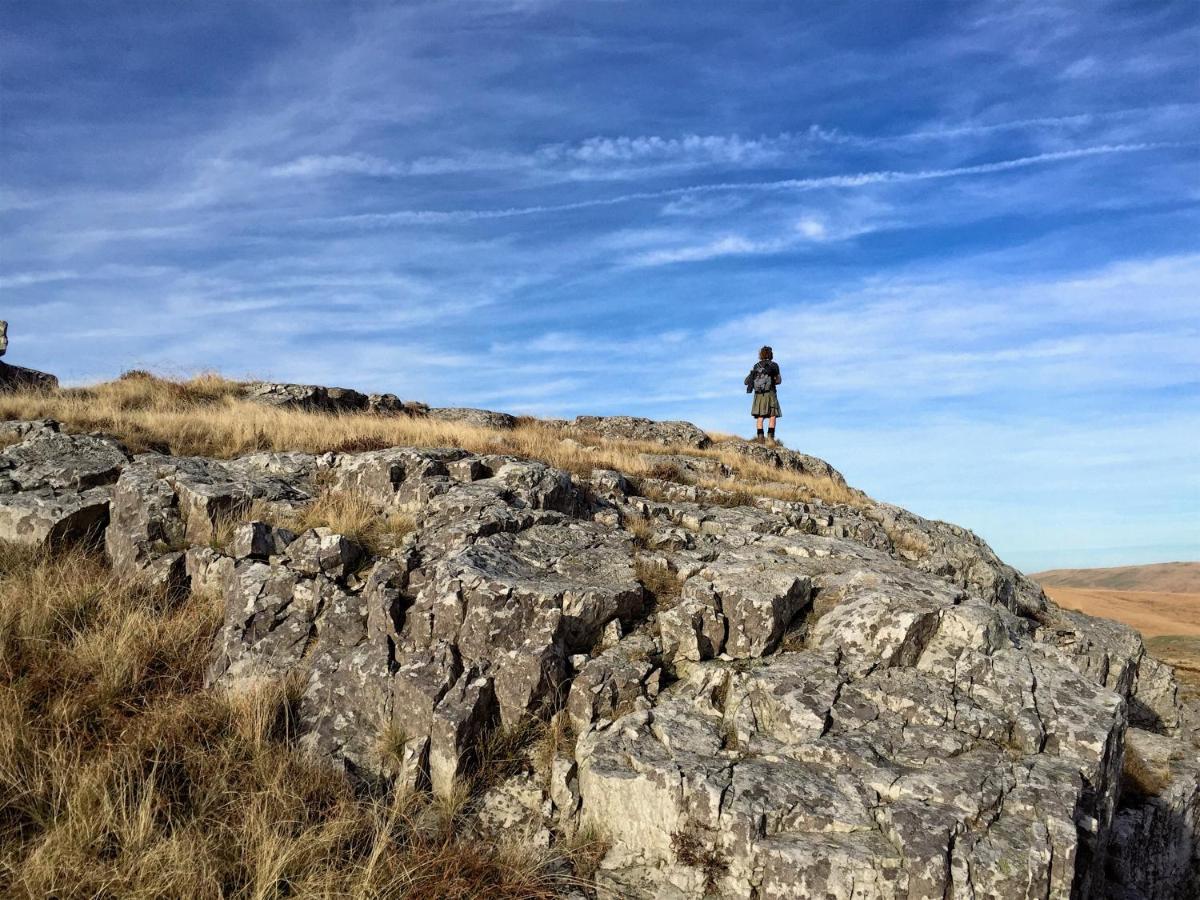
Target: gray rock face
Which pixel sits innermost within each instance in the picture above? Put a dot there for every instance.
(614, 683)
(776, 699)
(55, 487)
(632, 428)
(161, 503)
(1153, 849)
(15, 378)
(479, 418)
(316, 398)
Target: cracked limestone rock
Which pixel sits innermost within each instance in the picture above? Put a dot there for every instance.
(774, 699)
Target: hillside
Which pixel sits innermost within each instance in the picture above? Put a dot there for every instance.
(1152, 613)
(1174, 577)
(263, 640)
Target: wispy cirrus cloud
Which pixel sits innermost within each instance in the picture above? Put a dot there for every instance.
(855, 180)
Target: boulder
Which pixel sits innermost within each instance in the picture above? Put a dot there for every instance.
(782, 458)
(162, 503)
(477, 418)
(612, 683)
(44, 517)
(16, 378)
(633, 428)
(259, 540)
(310, 397)
(460, 721)
(56, 487)
(62, 462)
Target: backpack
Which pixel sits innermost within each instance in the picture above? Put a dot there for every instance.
(761, 379)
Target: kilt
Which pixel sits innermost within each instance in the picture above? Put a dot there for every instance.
(766, 405)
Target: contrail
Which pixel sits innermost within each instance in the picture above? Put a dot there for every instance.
(431, 216)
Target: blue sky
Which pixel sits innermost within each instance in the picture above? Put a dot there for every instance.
(969, 229)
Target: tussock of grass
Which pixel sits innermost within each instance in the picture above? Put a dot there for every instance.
(660, 583)
(121, 777)
(553, 740)
(642, 530)
(206, 416)
(351, 514)
(908, 541)
(1142, 778)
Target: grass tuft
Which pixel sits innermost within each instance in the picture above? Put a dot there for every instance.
(660, 583)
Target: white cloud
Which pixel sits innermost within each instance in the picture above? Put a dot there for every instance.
(849, 181)
(319, 166)
(24, 279)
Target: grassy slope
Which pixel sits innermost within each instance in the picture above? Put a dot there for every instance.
(1152, 613)
(1175, 577)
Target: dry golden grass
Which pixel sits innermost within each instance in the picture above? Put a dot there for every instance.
(642, 530)
(660, 583)
(1141, 777)
(205, 416)
(351, 514)
(908, 540)
(121, 777)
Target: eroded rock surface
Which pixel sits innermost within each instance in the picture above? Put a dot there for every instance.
(479, 418)
(55, 487)
(16, 378)
(773, 699)
(316, 398)
(633, 428)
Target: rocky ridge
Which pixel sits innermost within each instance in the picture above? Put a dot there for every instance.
(769, 699)
(17, 378)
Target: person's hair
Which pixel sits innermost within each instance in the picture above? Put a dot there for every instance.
(766, 353)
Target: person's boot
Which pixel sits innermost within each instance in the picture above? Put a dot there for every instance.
(771, 436)
(758, 436)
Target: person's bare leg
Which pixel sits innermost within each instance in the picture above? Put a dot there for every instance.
(771, 433)
(758, 429)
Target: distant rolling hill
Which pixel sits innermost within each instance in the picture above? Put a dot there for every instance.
(1162, 601)
(1173, 577)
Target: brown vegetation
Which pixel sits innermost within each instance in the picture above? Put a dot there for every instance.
(1141, 777)
(1150, 612)
(1173, 577)
(353, 515)
(660, 582)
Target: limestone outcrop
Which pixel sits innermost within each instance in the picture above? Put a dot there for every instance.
(763, 699)
(633, 428)
(316, 398)
(55, 487)
(17, 378)
(480, 418)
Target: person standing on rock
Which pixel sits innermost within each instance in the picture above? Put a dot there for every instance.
(761, 382)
